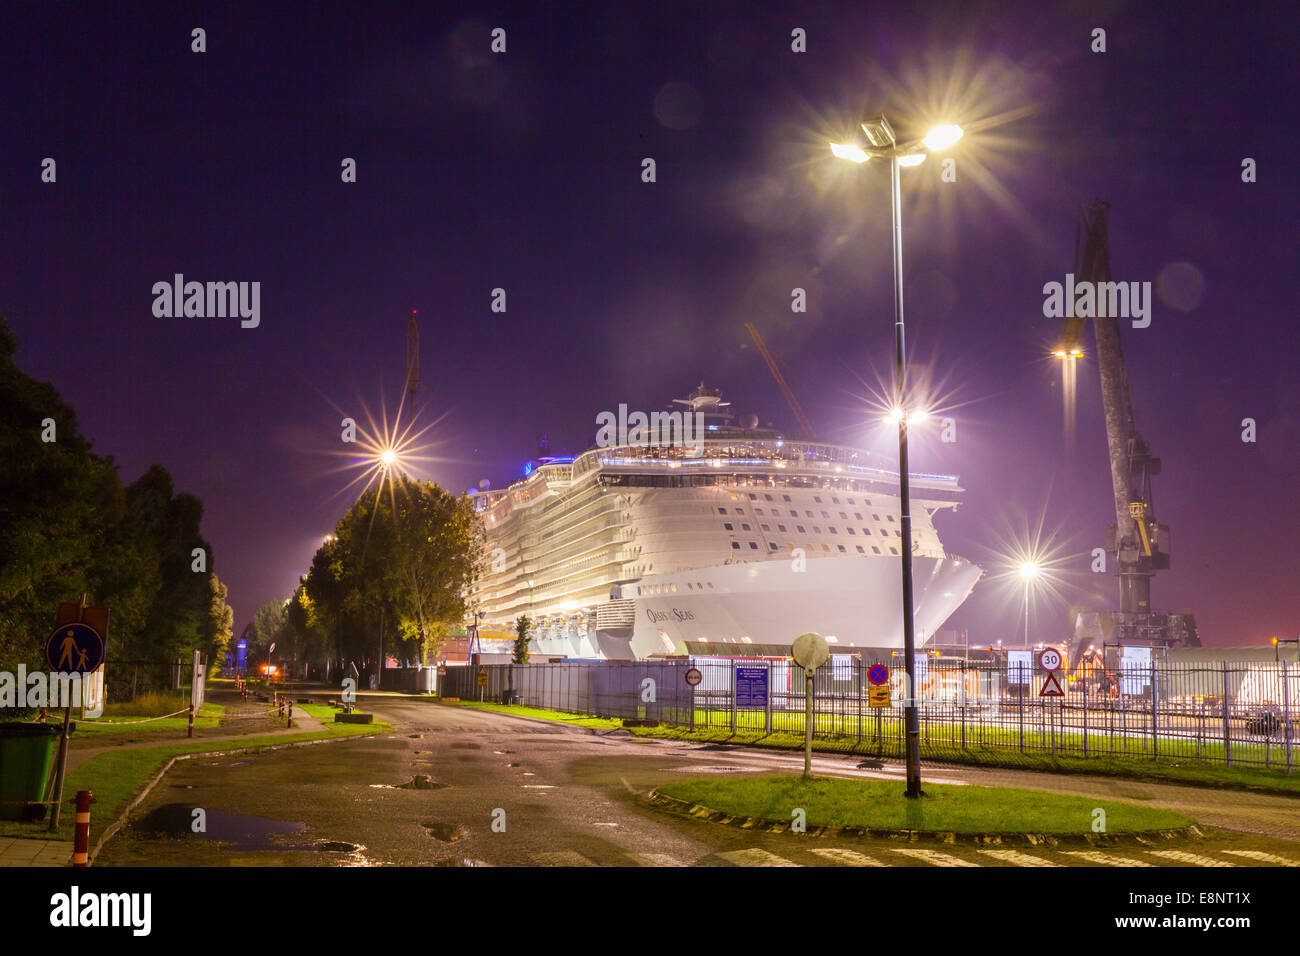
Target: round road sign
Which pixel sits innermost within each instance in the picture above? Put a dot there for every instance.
(74, 648)
(810, 650)
(693, 676)
(1049, 659)
(877, 674)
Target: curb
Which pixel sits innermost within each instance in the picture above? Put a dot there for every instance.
(120, 822)
(660, 801)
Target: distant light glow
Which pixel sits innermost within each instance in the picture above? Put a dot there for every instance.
(911, 159)
(1029, 569)
(388, 457)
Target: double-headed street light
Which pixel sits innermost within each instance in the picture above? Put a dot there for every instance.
(883, 144)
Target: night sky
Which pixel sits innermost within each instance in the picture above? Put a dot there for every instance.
(522, 171)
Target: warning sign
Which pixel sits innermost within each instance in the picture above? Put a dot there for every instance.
(878, 695)
(482, 677)
(1051, 687)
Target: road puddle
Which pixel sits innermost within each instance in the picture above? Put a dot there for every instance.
(446, 832)
(178, 820)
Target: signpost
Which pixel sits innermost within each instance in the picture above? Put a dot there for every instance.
(810, 652)
(481, 680)
(1049, 659)
(751, 687)
(878, 694)
(76, 646)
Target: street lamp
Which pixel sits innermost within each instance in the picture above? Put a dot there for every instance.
(883, 144)
(1030, 571)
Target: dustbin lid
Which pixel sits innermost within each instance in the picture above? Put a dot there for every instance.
(17, 729)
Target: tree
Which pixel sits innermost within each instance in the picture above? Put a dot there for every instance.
(522, 627)
(218, 625)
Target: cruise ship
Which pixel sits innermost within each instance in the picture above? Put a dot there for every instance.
(741, 536)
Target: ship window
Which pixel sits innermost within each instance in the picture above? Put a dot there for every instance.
(673, 587)
(817, 529)
(710, 585)
(898, 534)
(758, 511)
(793, 513)
(816, 499)
(857, 515)
(877, 517)
(786, 497)
(753, 545)
(753, 497)
(735, 545)
(867, 502)
(866, 531)
(767, 527)
(826, 514)
(780, 527)
(744, 527)
(835, 501)
(890, 517)
(800, 529)
(840, 546)
(728, 526)
(850, 531)
(722, 511)
(826, 547)
(768, 497)
(850, 501)
(833, 531)
(860, 550)
(875, 549)
(844, 515)
(771, 545)
(808, 513)
(690, 586)
(893, 551)
(699, 585)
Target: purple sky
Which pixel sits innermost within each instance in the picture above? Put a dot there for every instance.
(522, 171)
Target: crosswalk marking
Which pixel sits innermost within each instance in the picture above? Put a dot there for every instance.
(1263, 857)
(1190, 859)
(1016, 858)
(562, 858)
(654, 859)
(1098, 858)
(842, 857)
(754, 857)
(935, 857)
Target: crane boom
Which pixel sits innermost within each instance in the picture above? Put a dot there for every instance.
(412, 356)
(790, 400)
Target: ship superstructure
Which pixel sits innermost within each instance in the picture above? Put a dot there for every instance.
(744, 537)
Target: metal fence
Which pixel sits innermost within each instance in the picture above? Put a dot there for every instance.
(1231, 713)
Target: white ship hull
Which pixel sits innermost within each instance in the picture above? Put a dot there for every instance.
(852, 601)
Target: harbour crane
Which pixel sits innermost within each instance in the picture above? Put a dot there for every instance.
(412, 357)
(1138, 544)
(790, 400)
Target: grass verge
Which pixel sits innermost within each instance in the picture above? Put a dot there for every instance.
(1173, 769)
(118, 775)
(880, 804)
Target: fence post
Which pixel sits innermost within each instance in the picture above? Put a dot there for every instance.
(733, 697)
(1155, 707)
(1085, 713)
(191, 730)
(961, 702)
(1286, 715)
(1020, 692)
(81, 834)
(767, 716)
(1227, 734)
(290, 724)
(857, 664)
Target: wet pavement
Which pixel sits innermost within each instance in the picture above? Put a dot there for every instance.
(454, 786)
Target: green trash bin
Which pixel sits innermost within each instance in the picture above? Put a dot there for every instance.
(26, 754)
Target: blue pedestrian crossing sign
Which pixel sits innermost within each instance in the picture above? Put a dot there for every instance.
(74, 649)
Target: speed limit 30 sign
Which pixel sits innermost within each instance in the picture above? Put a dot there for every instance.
(1049, 659)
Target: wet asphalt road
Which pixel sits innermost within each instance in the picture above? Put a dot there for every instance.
(566, 797)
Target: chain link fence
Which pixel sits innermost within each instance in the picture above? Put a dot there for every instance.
(1232, 713)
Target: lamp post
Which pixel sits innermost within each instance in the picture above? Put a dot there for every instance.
(883, 144)
(1030, 571)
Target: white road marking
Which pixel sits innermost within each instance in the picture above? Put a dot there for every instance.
(935, 857)
(1190, 859)
(1097, 858)
(538, 786)
(1263, 857)
(842, 857)
(1016, 858)
(754, 857)
(562, 858)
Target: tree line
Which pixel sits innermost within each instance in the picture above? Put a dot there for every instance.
(391, 580)
(69, 526)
